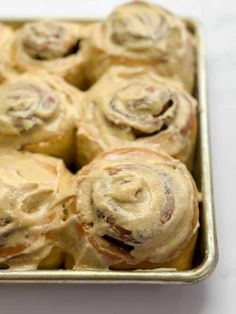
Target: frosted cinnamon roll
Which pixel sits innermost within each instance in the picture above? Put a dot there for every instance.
(134, 106)
(53, 46)
(6, 38)
(38, 113)
(35, 193)
(136, 208)
(142, 34)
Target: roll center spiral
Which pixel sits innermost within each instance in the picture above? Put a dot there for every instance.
(25, 106)
(137, 31)
(144, 107)
(126, 189)
(46, 41)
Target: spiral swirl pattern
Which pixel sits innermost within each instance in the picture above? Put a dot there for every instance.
(132, 202)
(26, 106)
(138, 31)
(131, 106)
(142, 34)
(34, 192)
(49, 40)
(53, 46)
(38, 108)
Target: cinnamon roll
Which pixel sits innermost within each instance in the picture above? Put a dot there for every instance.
(135, 208)
(38, 113)
(142, 34)
(35, 192)
(6, 38)
(134, 106)
(53, 46)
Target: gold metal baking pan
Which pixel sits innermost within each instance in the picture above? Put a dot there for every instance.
(206, 254)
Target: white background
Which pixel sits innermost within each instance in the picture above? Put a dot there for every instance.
(215, 295)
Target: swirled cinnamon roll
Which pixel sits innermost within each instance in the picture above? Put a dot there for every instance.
(142, 34)
(6, 38)
(53, 46)
(134, 106)
(35, 193)
(38, 113)
(136, 208)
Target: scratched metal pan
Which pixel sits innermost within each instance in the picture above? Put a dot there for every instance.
(206, 253)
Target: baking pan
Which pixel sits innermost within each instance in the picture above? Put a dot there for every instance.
(206, 253)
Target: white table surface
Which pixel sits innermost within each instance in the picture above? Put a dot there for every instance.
(216, 295)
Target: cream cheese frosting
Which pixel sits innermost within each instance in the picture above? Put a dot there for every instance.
(140, 33)
(34, 193)
(134, 106)
(133, 204)
(53, 46)
(6, 38)
(36, 107)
